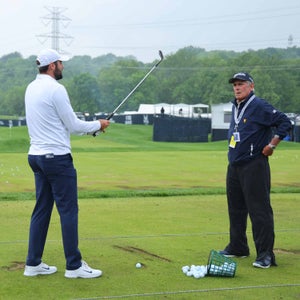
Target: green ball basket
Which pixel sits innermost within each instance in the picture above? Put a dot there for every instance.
(219, 265)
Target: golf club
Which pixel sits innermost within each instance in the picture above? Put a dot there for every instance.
(143, 79)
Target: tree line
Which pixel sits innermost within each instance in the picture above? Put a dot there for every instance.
(191, 76)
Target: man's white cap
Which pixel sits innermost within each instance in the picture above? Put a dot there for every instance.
(48, 56)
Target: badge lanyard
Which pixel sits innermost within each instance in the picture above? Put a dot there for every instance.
(237, 118)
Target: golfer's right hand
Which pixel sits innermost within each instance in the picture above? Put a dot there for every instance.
(104, 124)
(267, 151)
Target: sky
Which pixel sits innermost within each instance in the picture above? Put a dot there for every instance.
(142, 27)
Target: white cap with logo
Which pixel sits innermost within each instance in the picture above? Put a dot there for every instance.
(48, 56)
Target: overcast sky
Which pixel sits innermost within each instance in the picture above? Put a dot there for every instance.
(142, 27)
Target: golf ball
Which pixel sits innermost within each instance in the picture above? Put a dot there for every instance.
(138, 265)
(198, 275)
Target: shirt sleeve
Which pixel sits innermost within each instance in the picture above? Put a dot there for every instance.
(68, 116)
(276, 119)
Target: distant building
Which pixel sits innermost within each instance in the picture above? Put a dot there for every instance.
(220, 120)
(179, 110)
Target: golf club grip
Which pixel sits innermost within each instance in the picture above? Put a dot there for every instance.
(109, 116)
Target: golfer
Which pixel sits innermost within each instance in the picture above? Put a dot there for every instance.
(50, 120)
(256, 129)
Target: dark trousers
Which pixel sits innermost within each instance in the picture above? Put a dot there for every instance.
(248, 193)
(55, 180)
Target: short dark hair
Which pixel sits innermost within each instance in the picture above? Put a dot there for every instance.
(43, 69)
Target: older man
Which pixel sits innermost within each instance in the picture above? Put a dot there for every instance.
(256, 129)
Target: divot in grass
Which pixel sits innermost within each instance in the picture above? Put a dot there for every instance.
(139, 250)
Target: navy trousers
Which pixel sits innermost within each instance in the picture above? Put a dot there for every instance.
(55, 180)
(248, 193)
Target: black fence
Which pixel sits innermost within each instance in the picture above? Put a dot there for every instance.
(219, 134)
(296, 137)
(176, 129)
(12, 123)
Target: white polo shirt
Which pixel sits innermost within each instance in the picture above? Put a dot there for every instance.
(50, 117)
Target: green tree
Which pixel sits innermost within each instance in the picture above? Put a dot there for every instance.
(84, 93)
(13, 102)
(117, 82)
(191, 75)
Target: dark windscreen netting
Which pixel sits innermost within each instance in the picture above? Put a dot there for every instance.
(177, 129)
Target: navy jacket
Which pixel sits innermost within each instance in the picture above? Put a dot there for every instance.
(259, 122)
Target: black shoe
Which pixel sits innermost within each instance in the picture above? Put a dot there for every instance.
(226, 253)
(265, 263)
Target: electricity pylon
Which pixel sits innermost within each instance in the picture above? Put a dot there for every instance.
(56, 18)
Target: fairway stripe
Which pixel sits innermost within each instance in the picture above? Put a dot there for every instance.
(193, 291)
(146, 236)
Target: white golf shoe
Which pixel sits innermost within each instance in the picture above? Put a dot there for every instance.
(83, 272)
(41, 269)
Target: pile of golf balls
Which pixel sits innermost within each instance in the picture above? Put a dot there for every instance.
(195, 271)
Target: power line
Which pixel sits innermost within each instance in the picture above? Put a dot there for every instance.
(56, 18)
(217, 19)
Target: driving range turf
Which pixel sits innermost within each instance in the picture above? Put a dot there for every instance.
(160, 204)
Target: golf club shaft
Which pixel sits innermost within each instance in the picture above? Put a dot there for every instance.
(133, 90)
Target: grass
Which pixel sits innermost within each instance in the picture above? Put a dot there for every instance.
(163, 234)
(162, 204)
(126, 162)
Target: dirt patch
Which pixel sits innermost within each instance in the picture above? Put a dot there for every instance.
(14, 266)
(286, 251)
(142, 251)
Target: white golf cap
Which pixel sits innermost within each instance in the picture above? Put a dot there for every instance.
(48, 56)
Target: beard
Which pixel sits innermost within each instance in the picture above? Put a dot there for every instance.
(58, 74)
